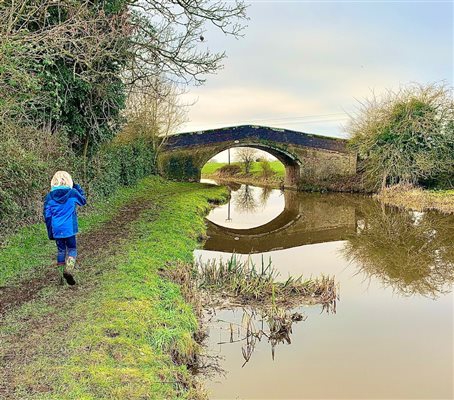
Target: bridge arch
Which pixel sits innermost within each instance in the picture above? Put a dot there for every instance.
(305, 156)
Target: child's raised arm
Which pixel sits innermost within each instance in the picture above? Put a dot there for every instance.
(80, 195)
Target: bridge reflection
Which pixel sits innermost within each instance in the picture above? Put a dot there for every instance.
(410, 252)
(306, 219)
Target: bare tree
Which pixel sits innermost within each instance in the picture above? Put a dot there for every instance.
(170, 35)
(139, 40)
(154, 115)
(246, 155)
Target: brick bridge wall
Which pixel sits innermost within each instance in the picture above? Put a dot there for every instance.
(308, 158)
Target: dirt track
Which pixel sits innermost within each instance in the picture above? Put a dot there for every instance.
(90, 245)
(19, 346)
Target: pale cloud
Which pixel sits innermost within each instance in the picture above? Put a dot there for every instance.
(307, 58)
(250, 105)
(247, 104)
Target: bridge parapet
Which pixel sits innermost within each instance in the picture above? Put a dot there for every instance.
(256, 133)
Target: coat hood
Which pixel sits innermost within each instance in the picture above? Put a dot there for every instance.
(60, 195)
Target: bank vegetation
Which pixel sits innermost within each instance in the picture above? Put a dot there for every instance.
(418, 199)
(75, 75)
(405, 145)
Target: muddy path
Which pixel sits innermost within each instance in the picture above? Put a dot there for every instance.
(95, 243)
(20, 334)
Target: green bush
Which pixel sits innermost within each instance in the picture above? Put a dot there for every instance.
(266, 169)
(179, 167)
(119, 164)
(406, 137)
(29, 158)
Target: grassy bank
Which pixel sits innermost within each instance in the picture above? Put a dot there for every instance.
(254, 177)
(125, 332)
(256, 169)
(418, 199)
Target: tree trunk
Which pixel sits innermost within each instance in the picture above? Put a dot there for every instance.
(85, 160)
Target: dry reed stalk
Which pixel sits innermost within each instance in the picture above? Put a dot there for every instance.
(244, 282)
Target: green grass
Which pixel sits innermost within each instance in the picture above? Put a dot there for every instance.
(442, 193)
(119, 339)
(279, 168)
(29, 248)
(211, 167)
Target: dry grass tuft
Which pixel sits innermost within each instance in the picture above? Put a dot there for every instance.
(415, 198)
(244, 282)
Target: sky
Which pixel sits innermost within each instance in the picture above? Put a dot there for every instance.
(304, 65)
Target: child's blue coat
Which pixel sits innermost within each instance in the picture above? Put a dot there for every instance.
(60, 211)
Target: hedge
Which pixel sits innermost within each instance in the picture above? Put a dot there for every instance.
(30, 157)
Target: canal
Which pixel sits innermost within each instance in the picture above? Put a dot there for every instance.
(391, 334)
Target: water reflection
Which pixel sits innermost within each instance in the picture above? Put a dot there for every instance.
(275, 326)
(410, 251)
(374, 253)
(285, 220)
(265, 195)
(245, 204)
(245, 201)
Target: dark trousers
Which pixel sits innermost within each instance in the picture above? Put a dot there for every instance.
(66, 247)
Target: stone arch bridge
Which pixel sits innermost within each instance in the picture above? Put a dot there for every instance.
(307, 158)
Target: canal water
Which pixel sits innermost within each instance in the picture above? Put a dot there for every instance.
(391, 335)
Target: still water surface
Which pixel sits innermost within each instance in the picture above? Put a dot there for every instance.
(392, 334)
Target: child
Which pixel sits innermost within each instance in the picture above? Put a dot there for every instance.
(61, 220)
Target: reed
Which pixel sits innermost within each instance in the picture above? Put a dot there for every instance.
(272, 324)
(268, 305)
(246, 281)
